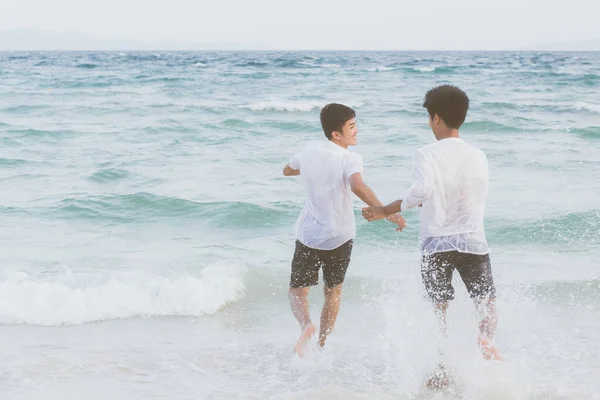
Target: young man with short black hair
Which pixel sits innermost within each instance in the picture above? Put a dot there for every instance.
(450, 183)
(325, 230)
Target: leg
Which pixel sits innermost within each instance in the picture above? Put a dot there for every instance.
(441, 309)
(436, 272)
(488, 317)
(331, 308)
(335, 265)
(487, 328)
(305, 273)
(300, 308)
(476, 272)
(439, 378)
(299, 304)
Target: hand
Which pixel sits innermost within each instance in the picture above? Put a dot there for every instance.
(373, 213)
(398, 220)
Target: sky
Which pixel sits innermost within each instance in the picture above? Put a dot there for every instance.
(319, 24)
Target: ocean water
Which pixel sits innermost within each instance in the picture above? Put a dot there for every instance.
(146, 228)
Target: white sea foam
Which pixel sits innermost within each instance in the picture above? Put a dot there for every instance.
(581, 106)
(27, 300)
(286, 106)
(293, 106)
(382, 68)
(428, 68)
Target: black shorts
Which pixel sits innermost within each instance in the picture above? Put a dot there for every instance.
(307, 262)
(475, 271)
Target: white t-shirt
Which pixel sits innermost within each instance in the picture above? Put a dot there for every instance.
(327, 219)
(450, 179)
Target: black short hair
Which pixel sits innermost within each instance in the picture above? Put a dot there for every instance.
(449, 103)
(334, 116)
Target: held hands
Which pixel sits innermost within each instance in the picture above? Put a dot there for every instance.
(398, 220)
(375, 213)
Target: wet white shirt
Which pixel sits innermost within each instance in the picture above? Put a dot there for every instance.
(327, 219)
(450, 179)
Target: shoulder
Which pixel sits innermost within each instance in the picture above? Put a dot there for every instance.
(352, 161)
(424, 152)
(477, 152)
(479, 158)
(354, 156)
(310, 147)
(480, 152)
(428, 148)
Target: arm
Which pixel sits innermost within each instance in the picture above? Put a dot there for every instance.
(380, 212)
(418, 193)
(422, 187)
(289, 171)
(364, 192)
(293, 167)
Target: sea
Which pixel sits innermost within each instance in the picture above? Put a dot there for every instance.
(146, 229)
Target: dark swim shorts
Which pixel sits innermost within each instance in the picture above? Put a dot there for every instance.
(307, 262)
(475, 271)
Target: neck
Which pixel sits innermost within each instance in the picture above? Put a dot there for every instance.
(339, 144)
(448, 133)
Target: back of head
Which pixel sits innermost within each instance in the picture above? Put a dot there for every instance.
(334, 116)
(449, 103)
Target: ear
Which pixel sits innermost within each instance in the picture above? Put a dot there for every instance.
(336, 135)
(436, 119)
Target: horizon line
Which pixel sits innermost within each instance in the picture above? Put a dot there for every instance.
(108, 50)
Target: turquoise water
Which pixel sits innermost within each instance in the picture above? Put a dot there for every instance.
(142, 206)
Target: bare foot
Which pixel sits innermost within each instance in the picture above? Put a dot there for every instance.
(489, 351)
(322, 340)
(307, 332)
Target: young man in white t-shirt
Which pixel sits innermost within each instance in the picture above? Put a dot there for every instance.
(450, 183)
(325, 230)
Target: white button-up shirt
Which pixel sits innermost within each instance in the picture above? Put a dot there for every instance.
(450, 180)
(327, 219)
